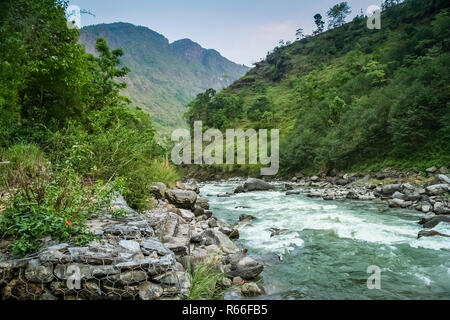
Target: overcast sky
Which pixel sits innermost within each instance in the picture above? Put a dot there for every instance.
(241, 30)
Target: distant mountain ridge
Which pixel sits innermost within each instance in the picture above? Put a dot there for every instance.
(164, 76)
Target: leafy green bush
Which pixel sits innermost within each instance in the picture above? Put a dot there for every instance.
(44, 202)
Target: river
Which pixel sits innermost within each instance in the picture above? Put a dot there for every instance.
(328, 246)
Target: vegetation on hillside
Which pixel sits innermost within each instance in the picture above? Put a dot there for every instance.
(350, 98)
(68, 139)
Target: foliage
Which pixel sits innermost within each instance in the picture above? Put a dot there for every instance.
(45, 202)
(68, 139)
(356, 99)
(337, 14)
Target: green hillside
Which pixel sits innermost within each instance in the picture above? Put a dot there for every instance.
(350, 98)
(164, 76)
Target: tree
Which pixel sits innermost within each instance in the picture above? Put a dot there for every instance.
(337, 15)
(389, 3)
(318, 20)
(299, 34)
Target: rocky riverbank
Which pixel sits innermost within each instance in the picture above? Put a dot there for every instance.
(137, 256)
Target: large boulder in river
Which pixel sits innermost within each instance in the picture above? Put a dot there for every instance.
(253, 184)
(246, 268)
(181, 198)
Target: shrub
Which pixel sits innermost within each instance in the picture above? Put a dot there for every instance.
(205, 282)
(45, 202)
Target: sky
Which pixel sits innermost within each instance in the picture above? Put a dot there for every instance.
(241, 30)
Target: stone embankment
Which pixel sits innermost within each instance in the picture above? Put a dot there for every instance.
(145, 256)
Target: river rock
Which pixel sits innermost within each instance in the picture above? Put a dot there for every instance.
(130, 245)
(247, 268)
(216, 237)
(128, 277)
(253, 184)
(246, 217)
(433, 169)
(38, 273)
(158, 189)
(443, 179)
(432, 222)
(187, 215)
(397, 203)
(390, 189)
(251, 289)
(182, 199)
(426, 207)
(150, 291)
(152, 245)
(441, 208)
(438, 189)
(192, 186)
(202, 203)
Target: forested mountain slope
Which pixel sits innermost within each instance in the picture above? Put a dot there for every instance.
(164, 76)
(350, 97)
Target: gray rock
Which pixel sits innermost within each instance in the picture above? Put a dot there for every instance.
(192, 187)
(426, 207)
(250, 289)
(187, 214)
(158, 189)
(212, 223)
(441, 208)
(38, 273)
(352, 195)
(438, 189)
(443, 178)
(397, 203)
(182, 199)
(434, 221)
(119, 203)
(399, 195)
(216, 237)
(128, 277)
(87, 272)
(433, 169)
(443, 170)
(227, 283)
(53, 256)
(178, 245)
(150, 291)
(257, 185)
(289, 193)
(152, 245)
(130, 245)
(390, 189)
(198, 212)
(202, 203)
(247, 268)
(431, 233)
(246, 217)
(239, 189)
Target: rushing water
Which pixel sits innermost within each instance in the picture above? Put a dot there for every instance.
(328, 246)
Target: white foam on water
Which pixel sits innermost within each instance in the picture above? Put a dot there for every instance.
(359, 221)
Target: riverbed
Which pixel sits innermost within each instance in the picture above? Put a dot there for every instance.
(325, 247)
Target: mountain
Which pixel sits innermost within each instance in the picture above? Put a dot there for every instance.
(164, 76)
(350, 98)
